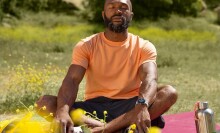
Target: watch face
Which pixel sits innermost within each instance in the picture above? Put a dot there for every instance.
(141, 100)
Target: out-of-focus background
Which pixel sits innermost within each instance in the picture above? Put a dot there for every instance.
(37, 38)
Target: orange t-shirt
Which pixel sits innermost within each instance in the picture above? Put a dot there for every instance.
(112, 67)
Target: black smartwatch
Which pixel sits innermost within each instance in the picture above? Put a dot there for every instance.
(142, 101)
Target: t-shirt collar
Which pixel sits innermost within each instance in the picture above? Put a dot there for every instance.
(112, 43)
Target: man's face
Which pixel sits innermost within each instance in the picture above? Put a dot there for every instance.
(117, 15)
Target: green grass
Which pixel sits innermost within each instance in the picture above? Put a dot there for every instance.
(188, 57)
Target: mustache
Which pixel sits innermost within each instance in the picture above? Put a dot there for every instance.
(117, 16)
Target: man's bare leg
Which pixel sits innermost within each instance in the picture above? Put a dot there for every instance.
(165, 98)
(50, 102)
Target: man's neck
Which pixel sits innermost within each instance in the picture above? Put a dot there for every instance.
(116, 37)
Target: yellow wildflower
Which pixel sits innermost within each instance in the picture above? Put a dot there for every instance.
(94, 112)
(105, 112)
(35, 105)
(76, 116)
(154, 130)
(51, 131)
(17, 110)
(133, 126)
(130, 131)
(51, 114)
(44, 107)
(31, 107)
(84, 112)
(30, 127)
(102, 121)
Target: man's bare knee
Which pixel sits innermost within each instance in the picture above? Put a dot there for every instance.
(46, 100)
(46, 104)
(169, 92)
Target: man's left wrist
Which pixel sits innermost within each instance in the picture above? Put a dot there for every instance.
(142, 101)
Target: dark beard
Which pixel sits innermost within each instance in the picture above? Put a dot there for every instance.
(116, 28)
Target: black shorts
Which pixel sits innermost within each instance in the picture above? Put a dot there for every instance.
(114, 108)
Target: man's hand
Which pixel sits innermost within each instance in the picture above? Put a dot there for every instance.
(92, 123)
(62, 122)
(98, 130)
(142, 119)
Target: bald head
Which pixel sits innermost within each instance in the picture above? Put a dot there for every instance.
(127, 2)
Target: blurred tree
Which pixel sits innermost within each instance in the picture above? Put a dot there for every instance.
(61, 6)
(8, 6)
(13, 7)
(93, 10)
(212, 3)
(33, 5)
(145, 9)
(217, 10)
(151, 9)
(186, 7)
(49, 5)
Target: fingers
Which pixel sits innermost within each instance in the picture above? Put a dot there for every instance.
(90, 122)
(70, 128)
(62, 126)
(139, 128)
(66, 126)
(142, 126)
(148, 123)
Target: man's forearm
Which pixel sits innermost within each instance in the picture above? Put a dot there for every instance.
(118, 123)
(67, 94)
(68, 91)
(148, 90)
(148, 76)
(124, 120)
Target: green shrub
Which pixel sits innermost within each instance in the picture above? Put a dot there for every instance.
(164, 61)
(49, 36)
(58, 49)
(158, 34)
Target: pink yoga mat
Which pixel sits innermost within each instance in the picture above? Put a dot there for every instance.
(181, 123)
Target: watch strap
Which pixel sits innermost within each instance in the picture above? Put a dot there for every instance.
(142, 101)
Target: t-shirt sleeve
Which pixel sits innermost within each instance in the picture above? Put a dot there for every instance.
(148, 53)
(80, 55)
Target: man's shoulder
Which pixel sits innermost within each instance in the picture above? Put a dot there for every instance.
(141, 41)
(91, 37)
(89, 41)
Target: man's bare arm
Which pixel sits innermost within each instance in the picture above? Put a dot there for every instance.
(148, 75)
(67, 95)
(68, 91)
